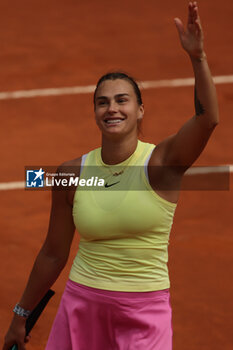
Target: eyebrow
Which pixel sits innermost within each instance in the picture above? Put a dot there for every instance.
(105, 97)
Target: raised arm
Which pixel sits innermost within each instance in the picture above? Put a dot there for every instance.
(184, 147)
(48, 265)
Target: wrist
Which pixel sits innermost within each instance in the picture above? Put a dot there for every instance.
(18, 320)
(198, 57)
(21, 312)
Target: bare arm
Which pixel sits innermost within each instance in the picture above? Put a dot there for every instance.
(48, 264)
(54, 252)
(184, 147)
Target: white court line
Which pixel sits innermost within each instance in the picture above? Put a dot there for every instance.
(12, 185)
(4, 186)
(75, 90)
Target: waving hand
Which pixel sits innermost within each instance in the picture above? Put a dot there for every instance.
(191, 38)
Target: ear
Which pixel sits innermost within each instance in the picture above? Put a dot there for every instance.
(141, 112)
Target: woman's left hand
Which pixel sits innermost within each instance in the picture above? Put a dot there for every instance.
(192, 38)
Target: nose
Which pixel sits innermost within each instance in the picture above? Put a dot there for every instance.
(112, 107)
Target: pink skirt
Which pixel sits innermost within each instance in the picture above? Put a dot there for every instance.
(96, 319)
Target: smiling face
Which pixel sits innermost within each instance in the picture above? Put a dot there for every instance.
(117, 110)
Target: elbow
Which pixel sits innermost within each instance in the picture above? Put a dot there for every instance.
(56, 259)
(215, 117)
(212, 125)
(211, 120)
(215, 121)
(60, 262)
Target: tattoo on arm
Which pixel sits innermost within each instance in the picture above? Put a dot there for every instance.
(199, 109)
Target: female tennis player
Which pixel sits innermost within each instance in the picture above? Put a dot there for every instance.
(117, 295)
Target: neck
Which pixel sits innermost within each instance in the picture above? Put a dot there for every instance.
(116, 151)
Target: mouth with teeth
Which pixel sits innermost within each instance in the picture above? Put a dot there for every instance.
(111, 121)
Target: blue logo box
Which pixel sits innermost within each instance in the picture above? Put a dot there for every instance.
(35, 178)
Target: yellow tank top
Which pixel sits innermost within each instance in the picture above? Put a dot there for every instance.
(124, 228)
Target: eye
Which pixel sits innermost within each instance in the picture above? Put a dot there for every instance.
(101, 102)
(122, 100)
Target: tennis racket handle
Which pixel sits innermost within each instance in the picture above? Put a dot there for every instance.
(14, 347)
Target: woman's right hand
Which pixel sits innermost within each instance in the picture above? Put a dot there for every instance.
(16, 334)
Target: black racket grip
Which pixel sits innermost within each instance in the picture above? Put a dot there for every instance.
(35, 314)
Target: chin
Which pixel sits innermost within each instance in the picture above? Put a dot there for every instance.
(114, 134)
(112, 130)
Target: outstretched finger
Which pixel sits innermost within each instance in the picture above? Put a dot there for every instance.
(198, 21)
(190, 17)
(191, 13)
(198, 28)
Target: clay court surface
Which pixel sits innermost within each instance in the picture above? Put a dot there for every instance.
(57, 44)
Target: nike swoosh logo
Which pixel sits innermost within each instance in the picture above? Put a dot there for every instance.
(109, 185)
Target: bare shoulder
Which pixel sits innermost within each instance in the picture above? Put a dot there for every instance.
(73, 163)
